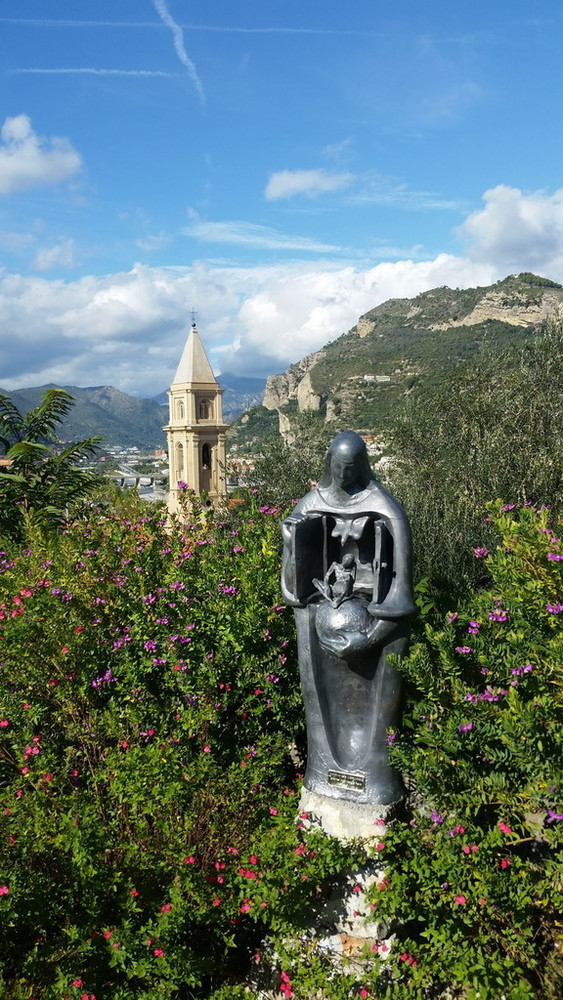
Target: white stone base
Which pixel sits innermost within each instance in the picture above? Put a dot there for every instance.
(343, 819)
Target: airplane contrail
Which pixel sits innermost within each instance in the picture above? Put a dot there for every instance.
(93, 70)
(178, 35)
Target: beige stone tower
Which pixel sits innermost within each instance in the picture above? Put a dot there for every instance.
(196, 432)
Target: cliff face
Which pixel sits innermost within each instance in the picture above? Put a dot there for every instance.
(360, 377)
(293, 384)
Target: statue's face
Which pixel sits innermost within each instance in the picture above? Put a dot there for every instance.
(343, 470)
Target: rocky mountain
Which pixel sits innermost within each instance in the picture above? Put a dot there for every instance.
(118, 418)
(360, 378)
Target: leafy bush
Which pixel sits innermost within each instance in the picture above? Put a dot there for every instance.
(149, 708)
(148, 704)
(476, 873)
(491, 429)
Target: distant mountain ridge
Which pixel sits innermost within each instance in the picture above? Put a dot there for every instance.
(360, 378)
(132, 421)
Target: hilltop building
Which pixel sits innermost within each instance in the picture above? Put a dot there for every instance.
(196, 432)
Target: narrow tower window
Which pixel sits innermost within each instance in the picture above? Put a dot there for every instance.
(204, 407)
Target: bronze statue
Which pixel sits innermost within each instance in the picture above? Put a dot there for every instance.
(347, 574)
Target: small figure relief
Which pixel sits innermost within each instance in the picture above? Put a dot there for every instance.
(338, 583)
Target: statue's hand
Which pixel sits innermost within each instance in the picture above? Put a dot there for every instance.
(346, 645)
(382, 631)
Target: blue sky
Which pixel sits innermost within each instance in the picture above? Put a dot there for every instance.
(280, 166)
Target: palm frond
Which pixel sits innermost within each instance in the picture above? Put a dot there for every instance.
(11, 420)
(42, 420)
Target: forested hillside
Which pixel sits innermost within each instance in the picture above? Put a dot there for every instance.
(365, 376)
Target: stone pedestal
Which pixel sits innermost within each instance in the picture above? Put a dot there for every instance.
(344, 929)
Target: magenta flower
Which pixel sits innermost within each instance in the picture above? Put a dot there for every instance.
(480, 552)
(463, 649)
(466, 728)
(555, 556)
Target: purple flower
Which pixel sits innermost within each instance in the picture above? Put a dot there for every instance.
(466, 728)
(104, 678)
(182, 485)
(463, 649)
(500, 615)
(480, 552)
(452, 617)
(508, 506)
(553, 817)
(436, 818)
(555, 556)
(518, 671)
(554, 609)
(150, 646)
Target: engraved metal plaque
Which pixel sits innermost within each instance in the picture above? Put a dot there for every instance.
(345, 779)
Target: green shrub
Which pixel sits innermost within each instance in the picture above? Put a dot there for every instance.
(475, 873)
(148, 704)
(149, 708)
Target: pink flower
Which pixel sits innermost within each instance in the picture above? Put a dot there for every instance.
(206, 749)
(158, 952)
(77, 982)
(460, 900)
(364, 993)
(4, 722)
(245, 908)
(107, 934)
(190, 860)
(273, 812)
(503, 827)
(166, 908)
(504, 863)
(4, 890)
(134, 892)
(216, 901)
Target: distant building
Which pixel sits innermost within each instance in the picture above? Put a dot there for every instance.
(195, 430)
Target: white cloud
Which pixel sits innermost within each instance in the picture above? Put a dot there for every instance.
(288, 183)
(251, 235)
(60, 255)
(516, 231)
(128, 329)
(154, 242)
(28, 160)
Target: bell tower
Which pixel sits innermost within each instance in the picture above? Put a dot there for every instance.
(195, 430)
